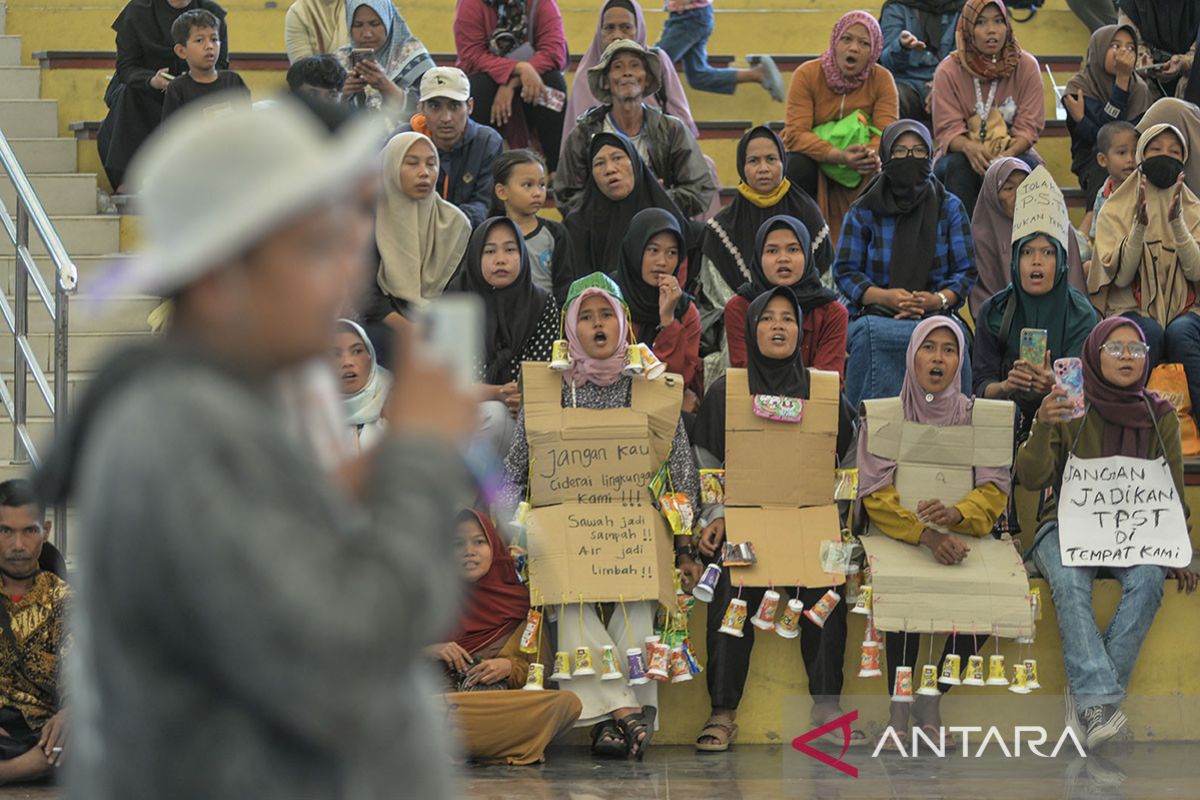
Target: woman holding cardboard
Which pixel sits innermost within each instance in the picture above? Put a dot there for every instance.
(931, 397)
(597, 329)
(774, 368)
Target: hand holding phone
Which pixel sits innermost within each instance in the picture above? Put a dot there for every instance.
(1068, 376)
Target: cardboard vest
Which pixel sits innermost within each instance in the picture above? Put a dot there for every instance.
(594, 534)
(988, 592)
(779, 480)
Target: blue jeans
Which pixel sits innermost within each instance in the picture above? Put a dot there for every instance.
(875, 364)
(1098, 668)
(1178, 344)
(685, 38)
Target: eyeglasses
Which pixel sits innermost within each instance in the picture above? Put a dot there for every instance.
(916, 151)
(1129, 48)
(1118, 349)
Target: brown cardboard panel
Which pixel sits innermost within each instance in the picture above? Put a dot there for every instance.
(988, 592)
(787, 542)
(599, 553)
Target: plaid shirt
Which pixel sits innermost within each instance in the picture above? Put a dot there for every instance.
(865, 253)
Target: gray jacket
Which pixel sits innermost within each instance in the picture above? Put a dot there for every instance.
(675, 157)
(243, 629)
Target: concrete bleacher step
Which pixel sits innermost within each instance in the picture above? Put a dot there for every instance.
(29, 119)
(63, 193)
(10, 51)
(46, 155)
(92, 235)
(91, 314)
(20, 83)
(90, 268)
(86, 352)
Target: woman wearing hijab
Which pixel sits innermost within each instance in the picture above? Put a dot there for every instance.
(421, 238)
(664, 316)
(623, 19)
(844, 81)
(990, 101)
(520, 321)
(1107, 90)
(991, 228)
(622, 717)
(772, 330)
(1186, 117)
(1147, 263)
(364, 384)
(728, 244)
(906, 254)
(930, 396)
(390, 79)
(1039, 297)
(511, 727)
(146, 62)
(782, 259)
(1121, 419)
(314, 27)
(1166, 34)
(618, 186)
(917, 35)
(515, 51)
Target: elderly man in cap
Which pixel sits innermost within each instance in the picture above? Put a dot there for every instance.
(465, 148)
(625, 75)
(245, 627)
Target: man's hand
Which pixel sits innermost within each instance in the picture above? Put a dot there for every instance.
(491, 671)
(932, 512)
(54, 738)
(1185, 579)
(712, 537)
(910, 42)
(452, 653)
(945, 548)
(161, 79)
(689, 572)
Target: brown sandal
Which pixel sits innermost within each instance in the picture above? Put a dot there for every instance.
(722, 729)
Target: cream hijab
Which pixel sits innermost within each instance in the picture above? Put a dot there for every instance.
(1163, 286)
(421, 242)
(365, 406)
(325, 21)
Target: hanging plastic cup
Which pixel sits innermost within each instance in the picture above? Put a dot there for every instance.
(929, 681)
(583, 662)
(902, 690)
(560, 355)
(996, 671)
(707, 585)
(562, 666)
(788, 625)
(764, 618)
(951, 669)
(868, 663)
(824, 607)
(535, 678)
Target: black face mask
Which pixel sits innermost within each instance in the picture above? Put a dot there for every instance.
(908, 172)
(1162, 171)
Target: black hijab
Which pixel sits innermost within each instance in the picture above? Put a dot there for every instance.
(1168, 26)
(641, 297)
(740, 221)
(906, 189)
(809, 292)
(596, 227)
(150, 21)
(512, 312)
(787, 377)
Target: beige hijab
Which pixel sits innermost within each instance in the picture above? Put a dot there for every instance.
(326, 22)
(1162, 284)
(421, 242)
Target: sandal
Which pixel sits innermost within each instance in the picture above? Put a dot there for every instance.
(638, 730)
(607, 741)
(722, 729)
(888, 743)
(934, 734)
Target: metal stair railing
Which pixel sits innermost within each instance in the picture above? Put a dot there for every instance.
(16, 317)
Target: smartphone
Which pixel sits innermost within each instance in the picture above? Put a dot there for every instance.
(551, 98)
(1068, 376)
(1152, 69)
(1033, 346)
(452, 333)
(361, 54)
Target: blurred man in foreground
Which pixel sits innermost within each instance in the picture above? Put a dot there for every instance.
(245, 628)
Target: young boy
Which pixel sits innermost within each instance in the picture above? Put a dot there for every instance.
(1116, 150)
(198, 42)
(685, 38)
(319, 76)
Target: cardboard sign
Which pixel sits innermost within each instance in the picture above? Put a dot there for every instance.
(1120, 511)
(787, 542)
(1040, 208)
(768, 462)
(599, 553)
(987, 592)
(937, 462)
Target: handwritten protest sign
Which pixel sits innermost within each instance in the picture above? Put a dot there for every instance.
(1120, 511)
(1040, 208)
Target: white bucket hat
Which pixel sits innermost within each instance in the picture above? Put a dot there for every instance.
(211, 185)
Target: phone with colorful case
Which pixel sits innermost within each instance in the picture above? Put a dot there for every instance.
(1068, 376)
(1033, 346)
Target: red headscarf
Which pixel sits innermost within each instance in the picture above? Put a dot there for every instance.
(1128, 424)
(989, 68)
(838, 81)
(497, 603)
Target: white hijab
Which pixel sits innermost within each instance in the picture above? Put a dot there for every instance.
(421, 242)
(365, 406)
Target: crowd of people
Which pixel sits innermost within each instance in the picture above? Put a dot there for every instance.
(868, 253)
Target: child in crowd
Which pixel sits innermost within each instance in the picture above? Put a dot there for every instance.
(198, 42)
(1116, 145)
(685, 38)
(318, 76)
(519, 192)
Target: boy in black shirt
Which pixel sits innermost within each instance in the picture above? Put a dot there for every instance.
(198, 42)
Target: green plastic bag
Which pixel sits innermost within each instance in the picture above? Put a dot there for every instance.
(854, 128)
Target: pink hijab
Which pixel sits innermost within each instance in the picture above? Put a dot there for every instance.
(580, 98)
(584, 368)
(948, 407)
(838, 81)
